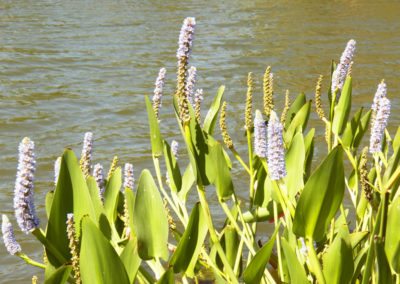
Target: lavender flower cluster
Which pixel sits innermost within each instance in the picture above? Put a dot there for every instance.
(339, 75)
(158, 91)
(271, 148)
(24, 207)
(381, 106)
(98, 174)
(191, 81)
(186, 38)
(10, 242)
(129, 180)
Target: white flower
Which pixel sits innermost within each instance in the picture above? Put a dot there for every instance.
(379, 125)
(191, 81)
(158, 91)
(98, 174)
(24, 207)
(275, 150)
(129, 180)
(186, 38)
(10, 242)
(260, 135)
(339, 75)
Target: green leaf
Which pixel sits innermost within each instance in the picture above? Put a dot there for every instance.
(309, 147)
(256, 267)
(185, 256)
(321, 197)
(99, 263)
(167, 278)
(188, 180)
(295, 157)
(396, 139)
(300, 119)
(392, 241)
(70, 196)
(211, 118)
(217, 164)
(174, 173)
(111, 194)
(295, 268)
(150, 220)
(351, 128)
(59, 276)
(361, 129)
(338, 265)
(95, 196)
(49, 201)
(155, 135)
(131, 259)
(294, 108)
(342, 109)
(357, 237)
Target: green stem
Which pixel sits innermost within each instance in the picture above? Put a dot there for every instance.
(165, 194)
(278, 243)
(250, 147)
(30, 261)
(39, 234)
(237, 156)
(315, 265)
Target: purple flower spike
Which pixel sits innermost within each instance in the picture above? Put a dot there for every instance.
(275, 150)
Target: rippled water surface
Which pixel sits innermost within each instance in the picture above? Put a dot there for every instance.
(67, 67)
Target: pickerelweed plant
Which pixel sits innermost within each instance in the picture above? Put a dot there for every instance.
(148, 231)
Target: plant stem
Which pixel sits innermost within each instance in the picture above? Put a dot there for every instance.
(250, 147)
(237, 156)
(39, 234)
(30, 261)
(278, 243)
(315, 265)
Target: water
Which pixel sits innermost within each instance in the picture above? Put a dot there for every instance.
(67, 67)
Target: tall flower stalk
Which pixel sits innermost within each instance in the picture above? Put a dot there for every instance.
(339, 75)
(379, 125)
(11, 244)
(275, 150)
(24, 206)
(158, 92)
(86, 156)
(183, 53)
(260, 135)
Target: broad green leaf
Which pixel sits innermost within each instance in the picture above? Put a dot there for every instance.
(361, 129)
(131, 259)
(321, 197)
(217, 164)
(95, 196)
(300, 119)
(357, 237)
(338, 265)
(294, 108)
(70, 196)
(98, 261)
(188, 179)
(155, 135)
(211, 118)
(167, 278)
(295, 268)
(342, 109)
(359, 262)
(174, 173)
(111, 194)
(295, 157)
(49, 201)
(256, 267)
(393, 164)
(392, 241)
(185, 256)
(396, 139)
(150, 220)
(309, 147)
(230, 243)
(60, 275)
(351, 128)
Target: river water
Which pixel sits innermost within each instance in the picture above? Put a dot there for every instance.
(67, 67)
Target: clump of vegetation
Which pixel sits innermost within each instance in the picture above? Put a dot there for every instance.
(148, 232)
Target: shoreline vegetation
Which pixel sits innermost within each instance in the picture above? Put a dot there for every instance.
(111, 228)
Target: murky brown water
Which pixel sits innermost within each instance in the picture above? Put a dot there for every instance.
(67, 67)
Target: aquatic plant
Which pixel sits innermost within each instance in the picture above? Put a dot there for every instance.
(151, 231)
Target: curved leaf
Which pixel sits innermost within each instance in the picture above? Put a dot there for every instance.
(59, 276)
(321, 197)
(295, 158)
(150, 220)
(185, 256)
(294, 108)
(342, 109)
(211, 118)
(130, 259)
(392, 241)
(111, 194)
(295, 268)
(174, 173)
(155, 135)
(98, 261)
(300, 119)
(256, 267)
